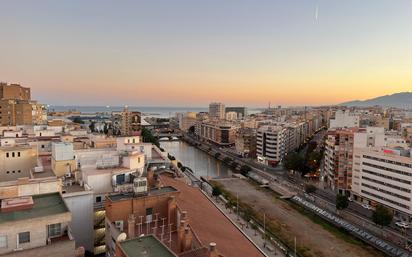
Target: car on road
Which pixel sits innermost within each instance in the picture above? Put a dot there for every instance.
(402, 225)
(367, 206)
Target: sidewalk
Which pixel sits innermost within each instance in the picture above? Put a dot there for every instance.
(270, 248)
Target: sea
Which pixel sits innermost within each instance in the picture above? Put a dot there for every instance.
(153, 111)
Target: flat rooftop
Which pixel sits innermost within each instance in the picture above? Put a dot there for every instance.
(145, 246)
(152, 192)
(44, 205)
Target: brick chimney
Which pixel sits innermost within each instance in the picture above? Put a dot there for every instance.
(131, 226)
(171, 212)
(187, 242)
(150, 178)
(181, 235)
(212, 250)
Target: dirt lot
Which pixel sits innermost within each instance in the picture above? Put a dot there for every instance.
(312, 238)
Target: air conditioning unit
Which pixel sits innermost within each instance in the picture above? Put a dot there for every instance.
(119, 225)
(140, 185)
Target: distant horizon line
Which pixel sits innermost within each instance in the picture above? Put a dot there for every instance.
(186, 107)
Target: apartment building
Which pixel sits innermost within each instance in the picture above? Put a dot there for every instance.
(218, 133)
(344, 119)
(17, 108)
(270, 146)
(338, 160)
(186, 120)
(34, 220)
(241, 112)
(245, 142)
(383, 175)
(16, 161)
(153, 212)
(217, 111)
(231, 116)
(130, 122)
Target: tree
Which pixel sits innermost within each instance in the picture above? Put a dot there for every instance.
(92, 126)
(149, 138)
(294, 161)
(309, 188)
(179, 165)
(245, 169)
(78, 120)
(341, 202)
(192, 130)
(227, 160)
(382, 216)
(106, 129)
(216, 191)
(171, 157)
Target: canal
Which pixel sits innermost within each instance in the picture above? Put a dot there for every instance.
(200, 162)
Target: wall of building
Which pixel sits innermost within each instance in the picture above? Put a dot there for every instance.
(16, 162)
(37, 228)
(80, 205)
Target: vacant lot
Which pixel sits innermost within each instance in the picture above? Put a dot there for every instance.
(287, 222)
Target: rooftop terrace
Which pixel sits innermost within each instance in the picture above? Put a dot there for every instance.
(44, 205)
(152, 192)
(145, 246)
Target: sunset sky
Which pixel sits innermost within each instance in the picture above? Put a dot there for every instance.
(191, 52)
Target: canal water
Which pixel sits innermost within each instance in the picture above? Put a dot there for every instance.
(200, 162)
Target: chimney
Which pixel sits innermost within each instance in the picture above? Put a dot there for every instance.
(212, 250)
(171, 212)
(181, 235)
(150, 178)
(131, 226)
(187, 242)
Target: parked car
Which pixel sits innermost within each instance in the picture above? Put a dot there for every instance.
(367, 206)
(402, 225)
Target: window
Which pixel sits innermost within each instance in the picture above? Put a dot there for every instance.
(98, 199)
(12, 154)
(120, 179)
(3, 241)
(18, 154)
(149, 211)
(24, 237)
(55, 230)
(7, 155)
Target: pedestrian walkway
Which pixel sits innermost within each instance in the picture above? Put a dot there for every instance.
(270, 248)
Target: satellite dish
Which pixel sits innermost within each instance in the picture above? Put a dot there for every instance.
(121, 237)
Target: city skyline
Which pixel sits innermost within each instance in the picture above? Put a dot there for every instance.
(185, 53)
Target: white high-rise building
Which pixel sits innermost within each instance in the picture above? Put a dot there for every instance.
(382, 170)
(270, 144)
(384, 176)
(217, 111)
(344, 119)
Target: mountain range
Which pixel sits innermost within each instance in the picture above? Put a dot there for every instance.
(398, 100)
